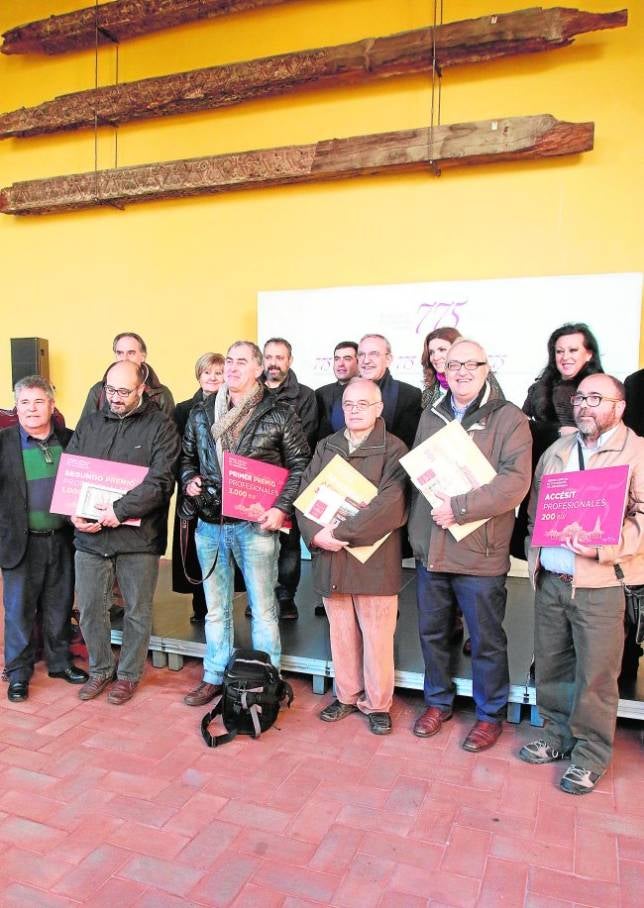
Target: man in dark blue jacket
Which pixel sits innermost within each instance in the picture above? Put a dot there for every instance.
(130, 429)
(36, 553)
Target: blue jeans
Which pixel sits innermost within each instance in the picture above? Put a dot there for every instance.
(43, 580)
(482, 601)
(137, 577)
(255, 551)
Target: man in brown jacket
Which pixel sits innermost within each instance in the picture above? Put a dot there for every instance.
(361, 599)
(579, 602)
(470, 573)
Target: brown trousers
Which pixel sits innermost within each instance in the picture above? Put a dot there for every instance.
(362, 647)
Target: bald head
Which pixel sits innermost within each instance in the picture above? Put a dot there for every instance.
(124, 386)
(598, 405)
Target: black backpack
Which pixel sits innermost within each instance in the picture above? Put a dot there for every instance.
(252, 695)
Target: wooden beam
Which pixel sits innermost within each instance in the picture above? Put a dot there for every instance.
(117, 21)
(458, 145)
(471, 41)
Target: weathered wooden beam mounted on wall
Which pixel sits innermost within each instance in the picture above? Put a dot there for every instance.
(117, 21)
(457, 145)
(470, 41)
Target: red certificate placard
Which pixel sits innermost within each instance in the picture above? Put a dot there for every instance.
(250, 487)
(588, 504)
(84, 482)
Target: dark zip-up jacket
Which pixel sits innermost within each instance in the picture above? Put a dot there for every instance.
(14, 515)
(377, 459)
(302, 399)
(500, 430)
(145, 437)
(272, 434)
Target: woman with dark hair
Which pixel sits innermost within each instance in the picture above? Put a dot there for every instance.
(433, 358)
(573, 353)
(209, 371)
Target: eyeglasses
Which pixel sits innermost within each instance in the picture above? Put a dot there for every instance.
(360, 405)
(470, 365)
(119, 392)
(593, 400)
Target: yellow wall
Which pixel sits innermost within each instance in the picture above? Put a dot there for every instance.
(185, 274)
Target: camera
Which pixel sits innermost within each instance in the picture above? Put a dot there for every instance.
(206, 505)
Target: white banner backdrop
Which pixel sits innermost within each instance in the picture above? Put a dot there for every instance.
(512, 318)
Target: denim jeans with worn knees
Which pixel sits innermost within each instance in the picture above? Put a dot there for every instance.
(255, 551)
(137, 575)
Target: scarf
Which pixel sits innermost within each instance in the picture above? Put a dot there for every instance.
(230, 421)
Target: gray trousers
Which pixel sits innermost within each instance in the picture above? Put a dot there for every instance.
(578, 647)
(137, 576)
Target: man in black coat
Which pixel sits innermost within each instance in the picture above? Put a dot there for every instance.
(129, 429)
(634, 413)
(401, 402)
(282, 382)
(36, 552)
(244, 418)
(329, 397)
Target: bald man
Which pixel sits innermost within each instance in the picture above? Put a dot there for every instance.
(129, 428)
(361, 600)
(579, 602)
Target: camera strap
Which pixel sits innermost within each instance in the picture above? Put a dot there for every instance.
(184, 534)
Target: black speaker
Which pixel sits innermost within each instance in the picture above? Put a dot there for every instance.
(29, 356)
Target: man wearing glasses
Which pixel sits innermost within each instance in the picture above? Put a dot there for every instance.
(469, 573)
(129, 428)
(361, 599)
(36, 552)
(579, 602)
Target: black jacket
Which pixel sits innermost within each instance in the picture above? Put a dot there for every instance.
(14, 517)
(634, 413)
(403, 420)
(272, 434)
(302, 399)
(183, 408)
(327, 396)
(146, 437)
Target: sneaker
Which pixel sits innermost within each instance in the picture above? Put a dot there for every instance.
(578, 781)
(336, 711)
(542, 752)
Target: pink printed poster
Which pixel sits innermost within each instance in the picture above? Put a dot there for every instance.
(588, 504)
(250, 487)
(82, 483)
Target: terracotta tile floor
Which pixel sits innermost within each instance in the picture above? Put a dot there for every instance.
(124, 806)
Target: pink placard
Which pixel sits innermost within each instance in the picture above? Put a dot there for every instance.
(585, 503)
(250, 487)
(83, 481)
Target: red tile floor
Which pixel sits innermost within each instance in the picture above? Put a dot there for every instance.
(125, 806)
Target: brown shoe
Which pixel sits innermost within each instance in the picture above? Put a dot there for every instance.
(94, 687)
(122, 692)
(430, 722)
(202, 694)
(482, 735)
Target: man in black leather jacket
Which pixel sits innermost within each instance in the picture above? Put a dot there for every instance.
(244, 418)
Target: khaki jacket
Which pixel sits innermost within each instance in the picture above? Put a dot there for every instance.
(377, 459)
(500, 430)
(624, 447)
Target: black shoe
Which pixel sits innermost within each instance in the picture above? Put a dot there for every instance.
(197, 619)
(336, 711)
(18, 690)
(379, 723)
(320, 611)
(288, 610)
(72, 674)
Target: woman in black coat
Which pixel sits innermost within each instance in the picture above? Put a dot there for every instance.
(573, 353)
(209, 370)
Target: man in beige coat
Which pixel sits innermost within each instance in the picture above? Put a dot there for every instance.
(579, 602)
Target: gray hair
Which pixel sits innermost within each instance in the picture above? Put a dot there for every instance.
(33, 381)
(380, 337)
(257, 353)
